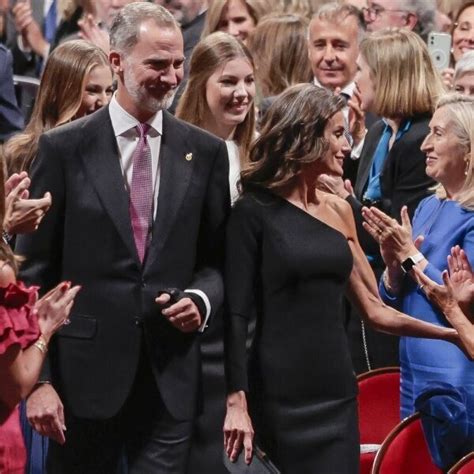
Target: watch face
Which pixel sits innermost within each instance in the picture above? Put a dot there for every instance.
(408, 264)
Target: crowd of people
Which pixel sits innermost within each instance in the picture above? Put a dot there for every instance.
(214, 214)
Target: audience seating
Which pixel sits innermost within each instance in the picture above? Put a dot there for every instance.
(379, 411)
(464, 466)
(405, 451)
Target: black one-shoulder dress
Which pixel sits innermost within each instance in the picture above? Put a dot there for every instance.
(290, 270)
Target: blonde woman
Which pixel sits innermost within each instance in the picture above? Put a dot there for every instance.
(236, 17)
(77, 80)
(219, 96)
(441, 221)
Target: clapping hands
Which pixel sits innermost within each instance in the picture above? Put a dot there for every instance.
(22, 215)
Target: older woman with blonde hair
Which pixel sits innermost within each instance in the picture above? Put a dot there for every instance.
(441, 221)
(77, 81)
(236, 17)
(219, 96)
(280, 44)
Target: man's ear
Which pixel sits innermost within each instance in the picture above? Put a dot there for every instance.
(411, 21)
(116, 62)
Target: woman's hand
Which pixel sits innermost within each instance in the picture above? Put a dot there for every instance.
(238, 428)
(54, 307)
(22, 215)
(447, 75)
(462, 280)
(335, 185)
(444, 297)
(441, 295)
(395, 240)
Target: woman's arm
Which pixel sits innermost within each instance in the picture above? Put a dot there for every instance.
(20, 369)
(241, 269)
(364, 295)
(444, 296)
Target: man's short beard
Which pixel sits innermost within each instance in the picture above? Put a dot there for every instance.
(140, 96)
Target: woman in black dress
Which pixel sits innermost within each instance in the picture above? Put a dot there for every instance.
(292, 254)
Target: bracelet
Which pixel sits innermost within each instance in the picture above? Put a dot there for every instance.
(6, 237)
(41, 345)
(392, 290)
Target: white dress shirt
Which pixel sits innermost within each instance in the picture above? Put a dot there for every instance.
(234, 168)
(124, 127)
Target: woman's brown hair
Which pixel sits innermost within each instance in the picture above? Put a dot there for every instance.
(280, 43)
(257, 9)
(58, 99)
(292, 136)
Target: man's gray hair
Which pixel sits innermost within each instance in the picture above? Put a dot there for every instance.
(465, 65)
(335, 12)
(125, 29)
(425, 10)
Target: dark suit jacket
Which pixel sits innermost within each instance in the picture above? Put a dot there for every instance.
(403, 179)
(86, 237)
(191, 36)
(11, 118)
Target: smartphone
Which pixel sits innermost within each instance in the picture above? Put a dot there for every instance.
(439, 47)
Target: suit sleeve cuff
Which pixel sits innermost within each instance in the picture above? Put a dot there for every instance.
(204, 307)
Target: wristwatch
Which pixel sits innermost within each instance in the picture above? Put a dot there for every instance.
(409, 262)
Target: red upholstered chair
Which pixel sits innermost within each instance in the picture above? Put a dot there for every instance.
(379, 410)
(405, 451)
(464, 466)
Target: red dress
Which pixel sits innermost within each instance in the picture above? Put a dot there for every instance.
(18, 325)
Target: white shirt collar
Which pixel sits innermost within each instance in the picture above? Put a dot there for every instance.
(349, 89)
(122, 121)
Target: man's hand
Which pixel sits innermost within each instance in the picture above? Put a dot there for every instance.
(356, 117)
(23, 215)
(29, 29)
(183, 315)
(91, 31)
(45, 412)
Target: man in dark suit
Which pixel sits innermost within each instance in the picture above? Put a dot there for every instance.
(140, 201)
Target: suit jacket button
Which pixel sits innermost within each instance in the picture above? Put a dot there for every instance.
(143, 284)
(138, 321)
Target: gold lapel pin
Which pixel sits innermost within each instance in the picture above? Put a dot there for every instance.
(189, 156)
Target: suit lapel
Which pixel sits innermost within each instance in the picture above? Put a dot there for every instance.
(175, 176)
(100, 156)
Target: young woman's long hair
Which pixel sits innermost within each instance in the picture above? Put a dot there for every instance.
(58, 99)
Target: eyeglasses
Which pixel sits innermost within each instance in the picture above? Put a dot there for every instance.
(375, 11)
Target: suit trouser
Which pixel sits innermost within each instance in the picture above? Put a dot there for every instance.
(151, 440)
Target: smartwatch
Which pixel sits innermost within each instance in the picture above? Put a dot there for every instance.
(408, 263)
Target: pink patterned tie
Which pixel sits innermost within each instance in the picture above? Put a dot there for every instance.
(141, 191)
